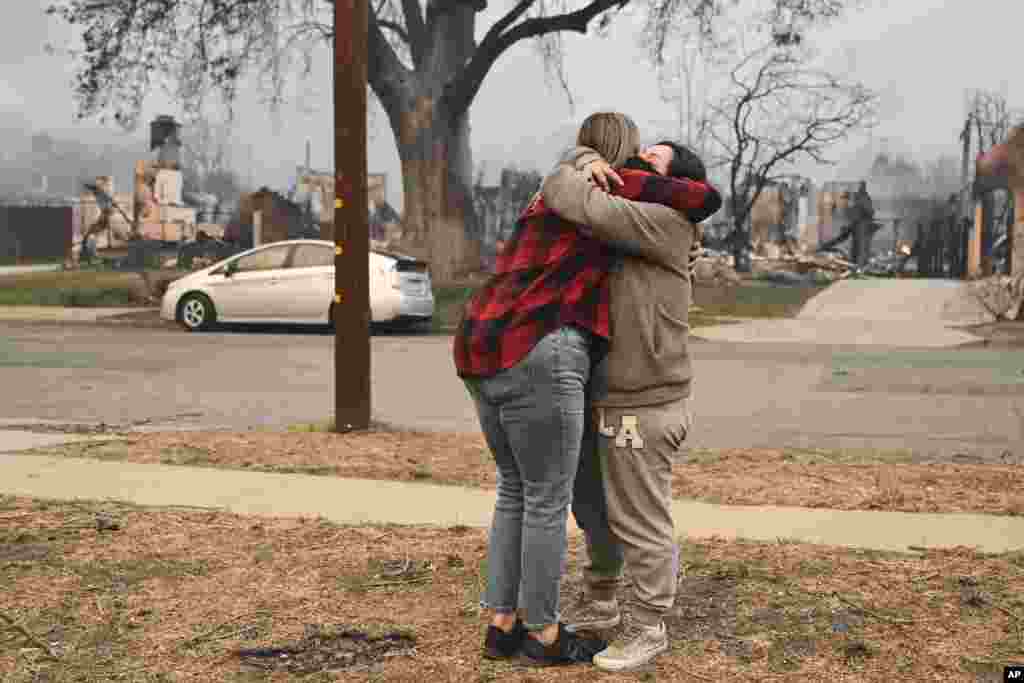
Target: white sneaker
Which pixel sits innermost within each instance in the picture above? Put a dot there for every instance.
(635, 647)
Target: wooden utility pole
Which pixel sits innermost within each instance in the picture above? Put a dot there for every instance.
(351, 310)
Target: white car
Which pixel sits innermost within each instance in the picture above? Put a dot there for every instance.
(293, 282)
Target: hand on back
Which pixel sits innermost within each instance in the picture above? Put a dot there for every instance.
(602, 173)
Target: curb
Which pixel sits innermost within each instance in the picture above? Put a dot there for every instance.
(82, 316)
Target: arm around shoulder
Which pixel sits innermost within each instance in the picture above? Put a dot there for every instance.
(653, 231)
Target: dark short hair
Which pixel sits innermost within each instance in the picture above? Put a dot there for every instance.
(685, 163)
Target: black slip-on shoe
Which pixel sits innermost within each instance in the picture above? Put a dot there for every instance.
(501, 645)
(568, 648)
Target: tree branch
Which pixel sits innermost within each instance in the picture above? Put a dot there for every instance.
(463, 89)
(776, 108)
(387, 76)
(397, 30)
(416, 35)
(510, 18)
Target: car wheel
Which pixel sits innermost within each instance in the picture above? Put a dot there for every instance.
(196, 312)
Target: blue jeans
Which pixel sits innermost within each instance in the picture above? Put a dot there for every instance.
(602, 575)
(532, 416)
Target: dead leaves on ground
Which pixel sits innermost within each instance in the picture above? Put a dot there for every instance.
(211, 596)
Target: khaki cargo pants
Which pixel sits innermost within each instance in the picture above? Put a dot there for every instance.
(623, 503)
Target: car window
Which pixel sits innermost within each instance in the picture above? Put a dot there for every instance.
(267, 259)
(312, 255)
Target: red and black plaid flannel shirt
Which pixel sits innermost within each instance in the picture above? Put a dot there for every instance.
(551, 274)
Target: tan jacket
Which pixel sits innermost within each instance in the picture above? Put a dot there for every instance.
(648, 362)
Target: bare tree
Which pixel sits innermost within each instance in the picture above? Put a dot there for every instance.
(207, 160)
(684, 82)
(776, 109)
(425, 67)
(992, 117)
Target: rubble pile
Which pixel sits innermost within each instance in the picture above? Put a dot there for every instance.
(715, 268)
(795, 269)
(826, 266)
(1001, 295)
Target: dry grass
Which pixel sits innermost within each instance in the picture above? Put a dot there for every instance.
(749, 299)
(85, 288)
(862, 480)
(850, 481)
(175, 595)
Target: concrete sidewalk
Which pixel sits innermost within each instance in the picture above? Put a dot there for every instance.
(353, 501)
(12, 440)
(66, 314)
(40, 268)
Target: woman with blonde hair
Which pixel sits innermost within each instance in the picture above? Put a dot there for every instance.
(613, 135)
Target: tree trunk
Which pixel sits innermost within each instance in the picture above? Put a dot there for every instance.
(741, 247)
(439, 219)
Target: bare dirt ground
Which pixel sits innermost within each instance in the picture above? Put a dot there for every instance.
(103, 592)
(842, 480)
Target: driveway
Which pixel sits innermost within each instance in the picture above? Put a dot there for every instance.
(932, 400)
(872, 312)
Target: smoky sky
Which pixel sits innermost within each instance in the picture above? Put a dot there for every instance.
(919, 55)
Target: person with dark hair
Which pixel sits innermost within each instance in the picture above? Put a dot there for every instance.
(671, 159)
(641, 391)
(676, 161)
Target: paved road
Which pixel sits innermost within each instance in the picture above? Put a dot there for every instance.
(934, 401)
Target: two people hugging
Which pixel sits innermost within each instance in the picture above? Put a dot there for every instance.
(575, 353)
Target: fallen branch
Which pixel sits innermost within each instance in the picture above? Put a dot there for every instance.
(210, 633)
(29, 636)
(410, 581)
(859, 608)
(406, 566)
(96, 443)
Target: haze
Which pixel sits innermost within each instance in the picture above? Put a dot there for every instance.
(920, 55)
